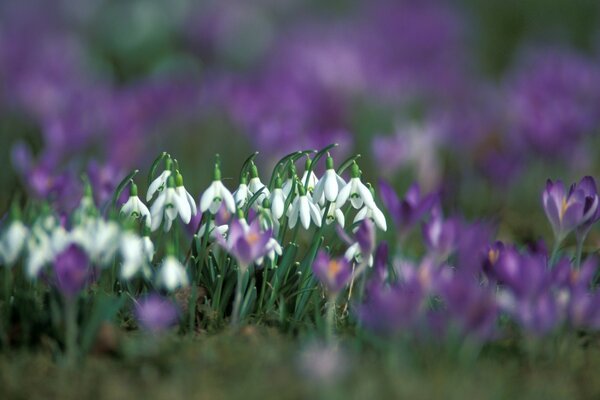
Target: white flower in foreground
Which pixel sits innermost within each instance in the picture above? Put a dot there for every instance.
(277, 200)
(167, 206)
(216, 194)
(353, 253)
(242, 194)
(356, 191)
(188, 207)
(303, 208)
(159, 183)
(135, 208)
(148, 248)
(329, 185)
(99, 238)
(134, 256)
(255, 185)
(39, 251)
(334, 214)
(309, 179)
(172, 275)
(373, 213)
(213, 230)
(274, 249)
(12, 242)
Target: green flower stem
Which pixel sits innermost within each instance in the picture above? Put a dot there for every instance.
(235, 315)
(330, 318)
(71, 331)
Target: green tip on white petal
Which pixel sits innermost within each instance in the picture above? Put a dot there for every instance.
(133, 190)
(253, 170)
(355, 171)
(244, 180)
(168, 163)
(301, 189)
(171, 182)
(307, 163)
(217, 172)
(329, 162)
(240, 213)
(278, 182)
(178, 179)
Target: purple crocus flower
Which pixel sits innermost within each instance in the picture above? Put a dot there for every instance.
(365, 237)
(441, 235)
(333, 273)
(587, 184)
(247, 243)
(406, 212)
(568, 210)
(527, 290)
(471, 307)
(72, 271)
(155, 313)
(392, 309)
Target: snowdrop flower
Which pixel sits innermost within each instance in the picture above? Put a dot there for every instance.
(216, 194)
(168, 205)
(12, 242)
(329, 185)
(312, 178)
(39, 252)
(334, 214)
(255, 185)
(277, 200)
(291, 181)
(99, 238)
(242, 194)
(160, 182)
(303, 208)
(148, 247)
(188, 204)
(134, 256)
(356, 191)
(274, 250)
(135, 208)
(172, 274)
(353, 253)
(213, 230)
(374, 214)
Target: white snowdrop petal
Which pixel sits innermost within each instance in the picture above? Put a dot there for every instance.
(344, 195)
(304, 211)
(208, 196)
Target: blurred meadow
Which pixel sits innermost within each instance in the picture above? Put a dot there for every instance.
(479, 100)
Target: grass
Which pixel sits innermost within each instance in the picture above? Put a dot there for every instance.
(260, 363)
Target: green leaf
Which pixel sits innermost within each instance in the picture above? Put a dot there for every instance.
(105, 309)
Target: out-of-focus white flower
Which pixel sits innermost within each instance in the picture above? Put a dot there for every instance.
(99, 238)
(172, 274)
(274, 250)
(133, 254)
(12, 242)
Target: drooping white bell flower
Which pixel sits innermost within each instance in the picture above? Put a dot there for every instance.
(172, 274)
(304, 209)
(135, 208)
(158, 184)
(133, 254)
(242, 194)
(353, 253)
(39, 251)
(255, 185)
(187, 205)
(216, 194)
(334, 214)
(329, 185)
(277, 200)
(99, 238)
(374, 214)
(309, 179)
(274, 250)
(356, 191)
(148, 247)
(167, 206)
(12, 242)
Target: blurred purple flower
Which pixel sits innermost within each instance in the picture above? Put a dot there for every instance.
(156, 314)
(333, 273)
(72, 271)
(441, 235)
(554, 98)
(406, 212)
(247, 243)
